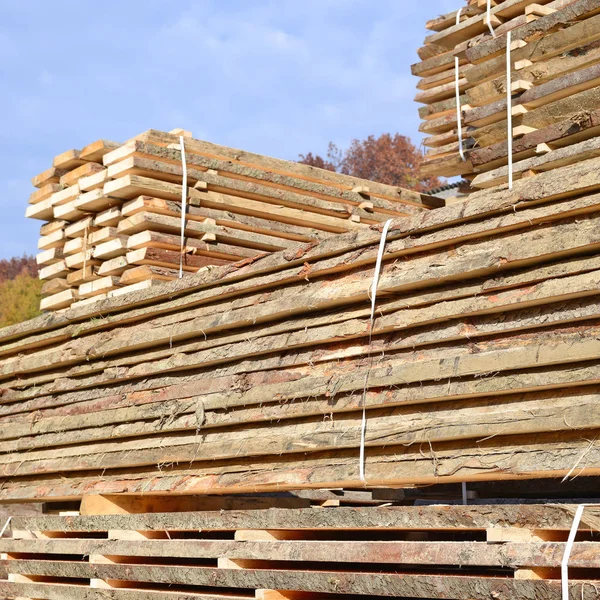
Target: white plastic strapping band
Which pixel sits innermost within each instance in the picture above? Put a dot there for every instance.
(489, 17)
(509, 111)
(183, 203)
(373, 294)
(564, 565)
(457, 90)
(5, 526)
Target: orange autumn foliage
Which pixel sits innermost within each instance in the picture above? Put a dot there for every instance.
(391, 159)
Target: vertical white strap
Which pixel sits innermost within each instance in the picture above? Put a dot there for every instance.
(509, 112)
(85, 246)
(465, 499)
(373, 294)
(489, 18)
(5, 526)
(564, 565)
(457, 92)
(183, 203)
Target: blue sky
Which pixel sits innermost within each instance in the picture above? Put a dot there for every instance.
(278, 77)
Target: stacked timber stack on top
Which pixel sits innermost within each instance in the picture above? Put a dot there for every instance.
(482, 363)
(554, 64)
(114, 213)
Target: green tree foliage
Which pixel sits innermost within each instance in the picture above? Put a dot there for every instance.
(391, 159)
(20, 290)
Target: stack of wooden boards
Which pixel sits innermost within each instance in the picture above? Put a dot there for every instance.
(482, 363)
(114, 217)
(555, 88)
(501, 552)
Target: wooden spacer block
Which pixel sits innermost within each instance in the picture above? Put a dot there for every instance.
(121, 534)
(522, 64)
(184, 132)
(537, 573)
(516, 44)
(262, 535)
(539, 10)
(518, 110)
(282, 595)
(495, 535)
(495, 20)
(521, 85)
(361, 189)
(522, 130)
(543, 149)
(528, 173)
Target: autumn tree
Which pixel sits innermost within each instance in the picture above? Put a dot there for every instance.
(19, 298)
(11, 267)
(19, 290)
(391, 159)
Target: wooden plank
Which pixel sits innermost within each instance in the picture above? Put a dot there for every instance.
(71, 177)
(122, 505)
(207, 231)
(170, 259)
(110, 217)
(148, 272)
(79, 228)
(59, 300)
(69, 212)
(49, 176)
(44, 193)
(96, 201)
(153, 239)
(98, 286)
(53, 286)
(60, 591)
(111, 249)
(555, 517)
(49, 257)
(84, 274)
(68, 160)
(382, 584)
(96, 150)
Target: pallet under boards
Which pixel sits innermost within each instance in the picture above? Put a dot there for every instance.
(492, 550)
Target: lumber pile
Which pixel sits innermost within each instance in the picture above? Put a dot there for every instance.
(482, 362)
(554, 68)
(113, 212)
(452, 552)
